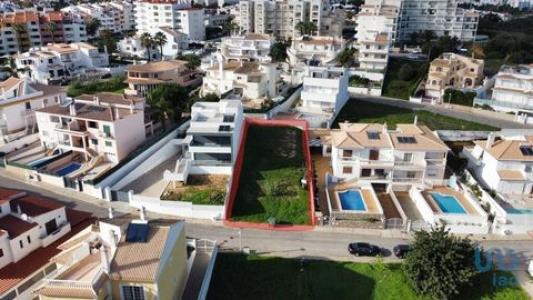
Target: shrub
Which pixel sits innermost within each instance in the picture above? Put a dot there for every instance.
(406, 72)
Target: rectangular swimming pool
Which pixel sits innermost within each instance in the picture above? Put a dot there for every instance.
(352, 200)
(448, 204)
(68, 169)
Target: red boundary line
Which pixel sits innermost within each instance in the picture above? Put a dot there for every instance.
(237, 168)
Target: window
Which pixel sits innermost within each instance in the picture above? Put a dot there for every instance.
(347, 170)
(347, 153)
(94, 141)
(92, 124)
(21, 244)
(407, 156)
(29, 239)
(108, 144)
(1, 252)
(132, 293)
(28, 105)
(107, 130)
(373, 135)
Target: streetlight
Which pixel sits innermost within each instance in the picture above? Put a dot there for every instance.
(240, 239)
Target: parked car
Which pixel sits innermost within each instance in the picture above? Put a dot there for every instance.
(363, 249)
(401, 250)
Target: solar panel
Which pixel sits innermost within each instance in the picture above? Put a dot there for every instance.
(527, 150)
(137, 233)
(406, 140)
(372, 135)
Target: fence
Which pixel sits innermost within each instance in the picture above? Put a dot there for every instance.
(177, 208)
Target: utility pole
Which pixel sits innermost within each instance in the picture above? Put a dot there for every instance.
(240, 239)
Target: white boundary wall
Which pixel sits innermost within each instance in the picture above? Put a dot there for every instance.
(177, 208)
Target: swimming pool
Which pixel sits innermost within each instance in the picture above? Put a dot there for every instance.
(352, 200)
(448, 204)
(523, 211)
(68, 169)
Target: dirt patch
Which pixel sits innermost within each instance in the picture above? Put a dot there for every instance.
(200, 189)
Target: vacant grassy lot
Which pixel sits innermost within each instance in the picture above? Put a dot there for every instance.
(357, 110)
(239, 277)
(395, 87)
(270, 178)
(200, 189)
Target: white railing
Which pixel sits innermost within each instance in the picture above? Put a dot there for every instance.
(74, 284)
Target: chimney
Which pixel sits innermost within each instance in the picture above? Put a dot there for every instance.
(104, 258)
(96, 100)
(490, 140)
(385, 128)
(117, 114)
(19, 210)
(110, 213)
(143, 213)
(111, 113)
(72, 108)
(416, 120)
(132, 107)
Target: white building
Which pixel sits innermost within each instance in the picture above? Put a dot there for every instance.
(150, 15)
(280, 18)
(99, 127)
(108, 15)
(325, 89)
(249, 80)
(409, 155)
(250, 47)
(18, 99)
(315, 50)
(28, 223)
(57, 62)
(191, 23)
(212, 141)
(513, 89)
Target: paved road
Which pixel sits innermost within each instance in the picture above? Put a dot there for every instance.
(479, 116)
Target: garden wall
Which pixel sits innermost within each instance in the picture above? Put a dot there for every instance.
(234, 184)
(177, 208)
(19, 143)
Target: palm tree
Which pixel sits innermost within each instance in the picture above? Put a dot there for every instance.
(160, 39)
(147, 42)
(301, 27)
(306, 27)
(51, 27)
(92, 26)
(19, 29)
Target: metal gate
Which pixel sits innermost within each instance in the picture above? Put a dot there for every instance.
(120, 196)
(394, 223)
(420, 225)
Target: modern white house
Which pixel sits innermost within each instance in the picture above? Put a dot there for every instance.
(19, 97)
(314, 50)
(57, 62)
(212, 141)
(324, 89)
(247, 80)
(250, 47)
(512, 90)
(28, 223)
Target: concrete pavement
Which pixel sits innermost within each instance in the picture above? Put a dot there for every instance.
(496, 119)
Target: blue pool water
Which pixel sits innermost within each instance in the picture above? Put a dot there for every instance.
(352, 200)
(523, 211)
(68, 169)
(448, 204)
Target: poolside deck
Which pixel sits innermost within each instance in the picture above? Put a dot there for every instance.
(372, 204)
(408, 206)
(447, 191)
(322, 166)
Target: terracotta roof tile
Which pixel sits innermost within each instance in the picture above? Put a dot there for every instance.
(15, 226)
(35, 206)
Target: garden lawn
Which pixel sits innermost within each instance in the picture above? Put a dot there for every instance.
(269, 183)
(360, 111)
(239, 277)
(394, 87)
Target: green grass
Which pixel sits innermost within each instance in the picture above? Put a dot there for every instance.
(394, 87)
(239, 277)
(204, 196)
(270, 178)
(361, 111)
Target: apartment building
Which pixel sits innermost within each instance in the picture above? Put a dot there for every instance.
(504, 163)
(409, 155)
(325, 89)
(280, 18)
(98, 128)
(108, 15)
(191, 23)
(249, 47)
(130, 259)
(314, 50)
(27, 223)
(57, 62)
(23, 29)
(144, 77)
(452, 71)
(512, 91)
(247, 80)
(19, 97)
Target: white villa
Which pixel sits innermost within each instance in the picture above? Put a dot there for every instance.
(212, 140)
(314, 50)
(28, 223)
(57, 62)
(250, 47)
(325, 89)
(247, 80)
(18, 100)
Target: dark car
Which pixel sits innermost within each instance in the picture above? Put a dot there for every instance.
(401, 250)
(364, 249)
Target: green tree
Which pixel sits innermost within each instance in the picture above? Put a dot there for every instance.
(167, 102)
(51, 28)
(306, 27)
(229, 27)
(147, 42)
(406, 72)
(107, 41)
(92, 26)
(346, 56)
(210, 98)
(160, 39)
(440, 264)
(278, 52)
(193, 61)
(20, 31)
